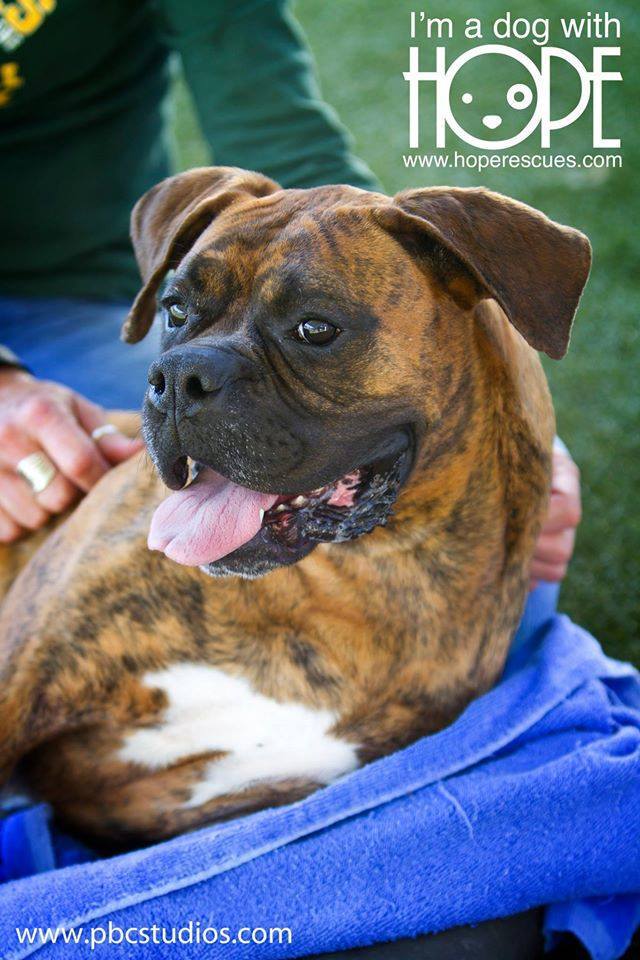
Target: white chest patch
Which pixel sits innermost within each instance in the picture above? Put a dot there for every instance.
(209, 710)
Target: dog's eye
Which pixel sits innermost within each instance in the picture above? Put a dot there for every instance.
(177, 315)
(316, 332)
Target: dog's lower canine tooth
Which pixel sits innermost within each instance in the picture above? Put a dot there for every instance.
(280, 508)
(299, 501)
(261, 516)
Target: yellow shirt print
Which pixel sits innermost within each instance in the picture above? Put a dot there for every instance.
(25, 16)
(18, 20)
(10, 80)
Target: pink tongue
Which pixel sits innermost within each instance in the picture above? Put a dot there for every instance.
(207, 520)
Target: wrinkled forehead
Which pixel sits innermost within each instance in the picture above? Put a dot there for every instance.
(291, 244)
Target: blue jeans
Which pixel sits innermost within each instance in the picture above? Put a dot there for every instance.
(77, 342)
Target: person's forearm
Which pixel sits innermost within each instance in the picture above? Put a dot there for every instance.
(252, 79)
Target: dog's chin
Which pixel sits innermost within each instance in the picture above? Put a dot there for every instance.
(344, 510)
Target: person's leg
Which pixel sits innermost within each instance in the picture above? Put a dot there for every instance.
(511, 938)
(541, 606)
(78, 343)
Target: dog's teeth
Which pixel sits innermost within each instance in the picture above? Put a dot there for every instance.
(261, 516)
(280, 508)
(299, 502)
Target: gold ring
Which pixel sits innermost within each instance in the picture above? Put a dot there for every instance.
(103, 431)
(37, 470)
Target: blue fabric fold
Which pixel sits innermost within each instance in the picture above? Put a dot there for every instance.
(531, 798)
(30, 843)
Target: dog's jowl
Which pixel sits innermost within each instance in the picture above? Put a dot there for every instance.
(354, 426)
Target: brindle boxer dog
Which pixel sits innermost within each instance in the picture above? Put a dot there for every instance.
(335, 363)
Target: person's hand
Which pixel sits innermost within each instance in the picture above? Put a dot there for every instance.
(554, 548)
(37, 416)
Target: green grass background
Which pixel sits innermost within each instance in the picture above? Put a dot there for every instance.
(361, 47)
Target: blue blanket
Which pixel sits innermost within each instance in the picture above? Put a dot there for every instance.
(532, 797)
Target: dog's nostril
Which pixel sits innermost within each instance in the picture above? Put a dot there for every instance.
(194, 388)
(157, 381)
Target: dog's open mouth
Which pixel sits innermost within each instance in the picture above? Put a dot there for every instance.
(213, 517)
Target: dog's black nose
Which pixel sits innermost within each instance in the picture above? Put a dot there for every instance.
(185, 379)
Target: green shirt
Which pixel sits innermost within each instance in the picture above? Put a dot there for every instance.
(83, 124)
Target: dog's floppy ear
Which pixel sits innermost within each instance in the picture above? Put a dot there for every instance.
(534, 268)
(169, 218)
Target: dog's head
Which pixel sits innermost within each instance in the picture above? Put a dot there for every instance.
(309, 340)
